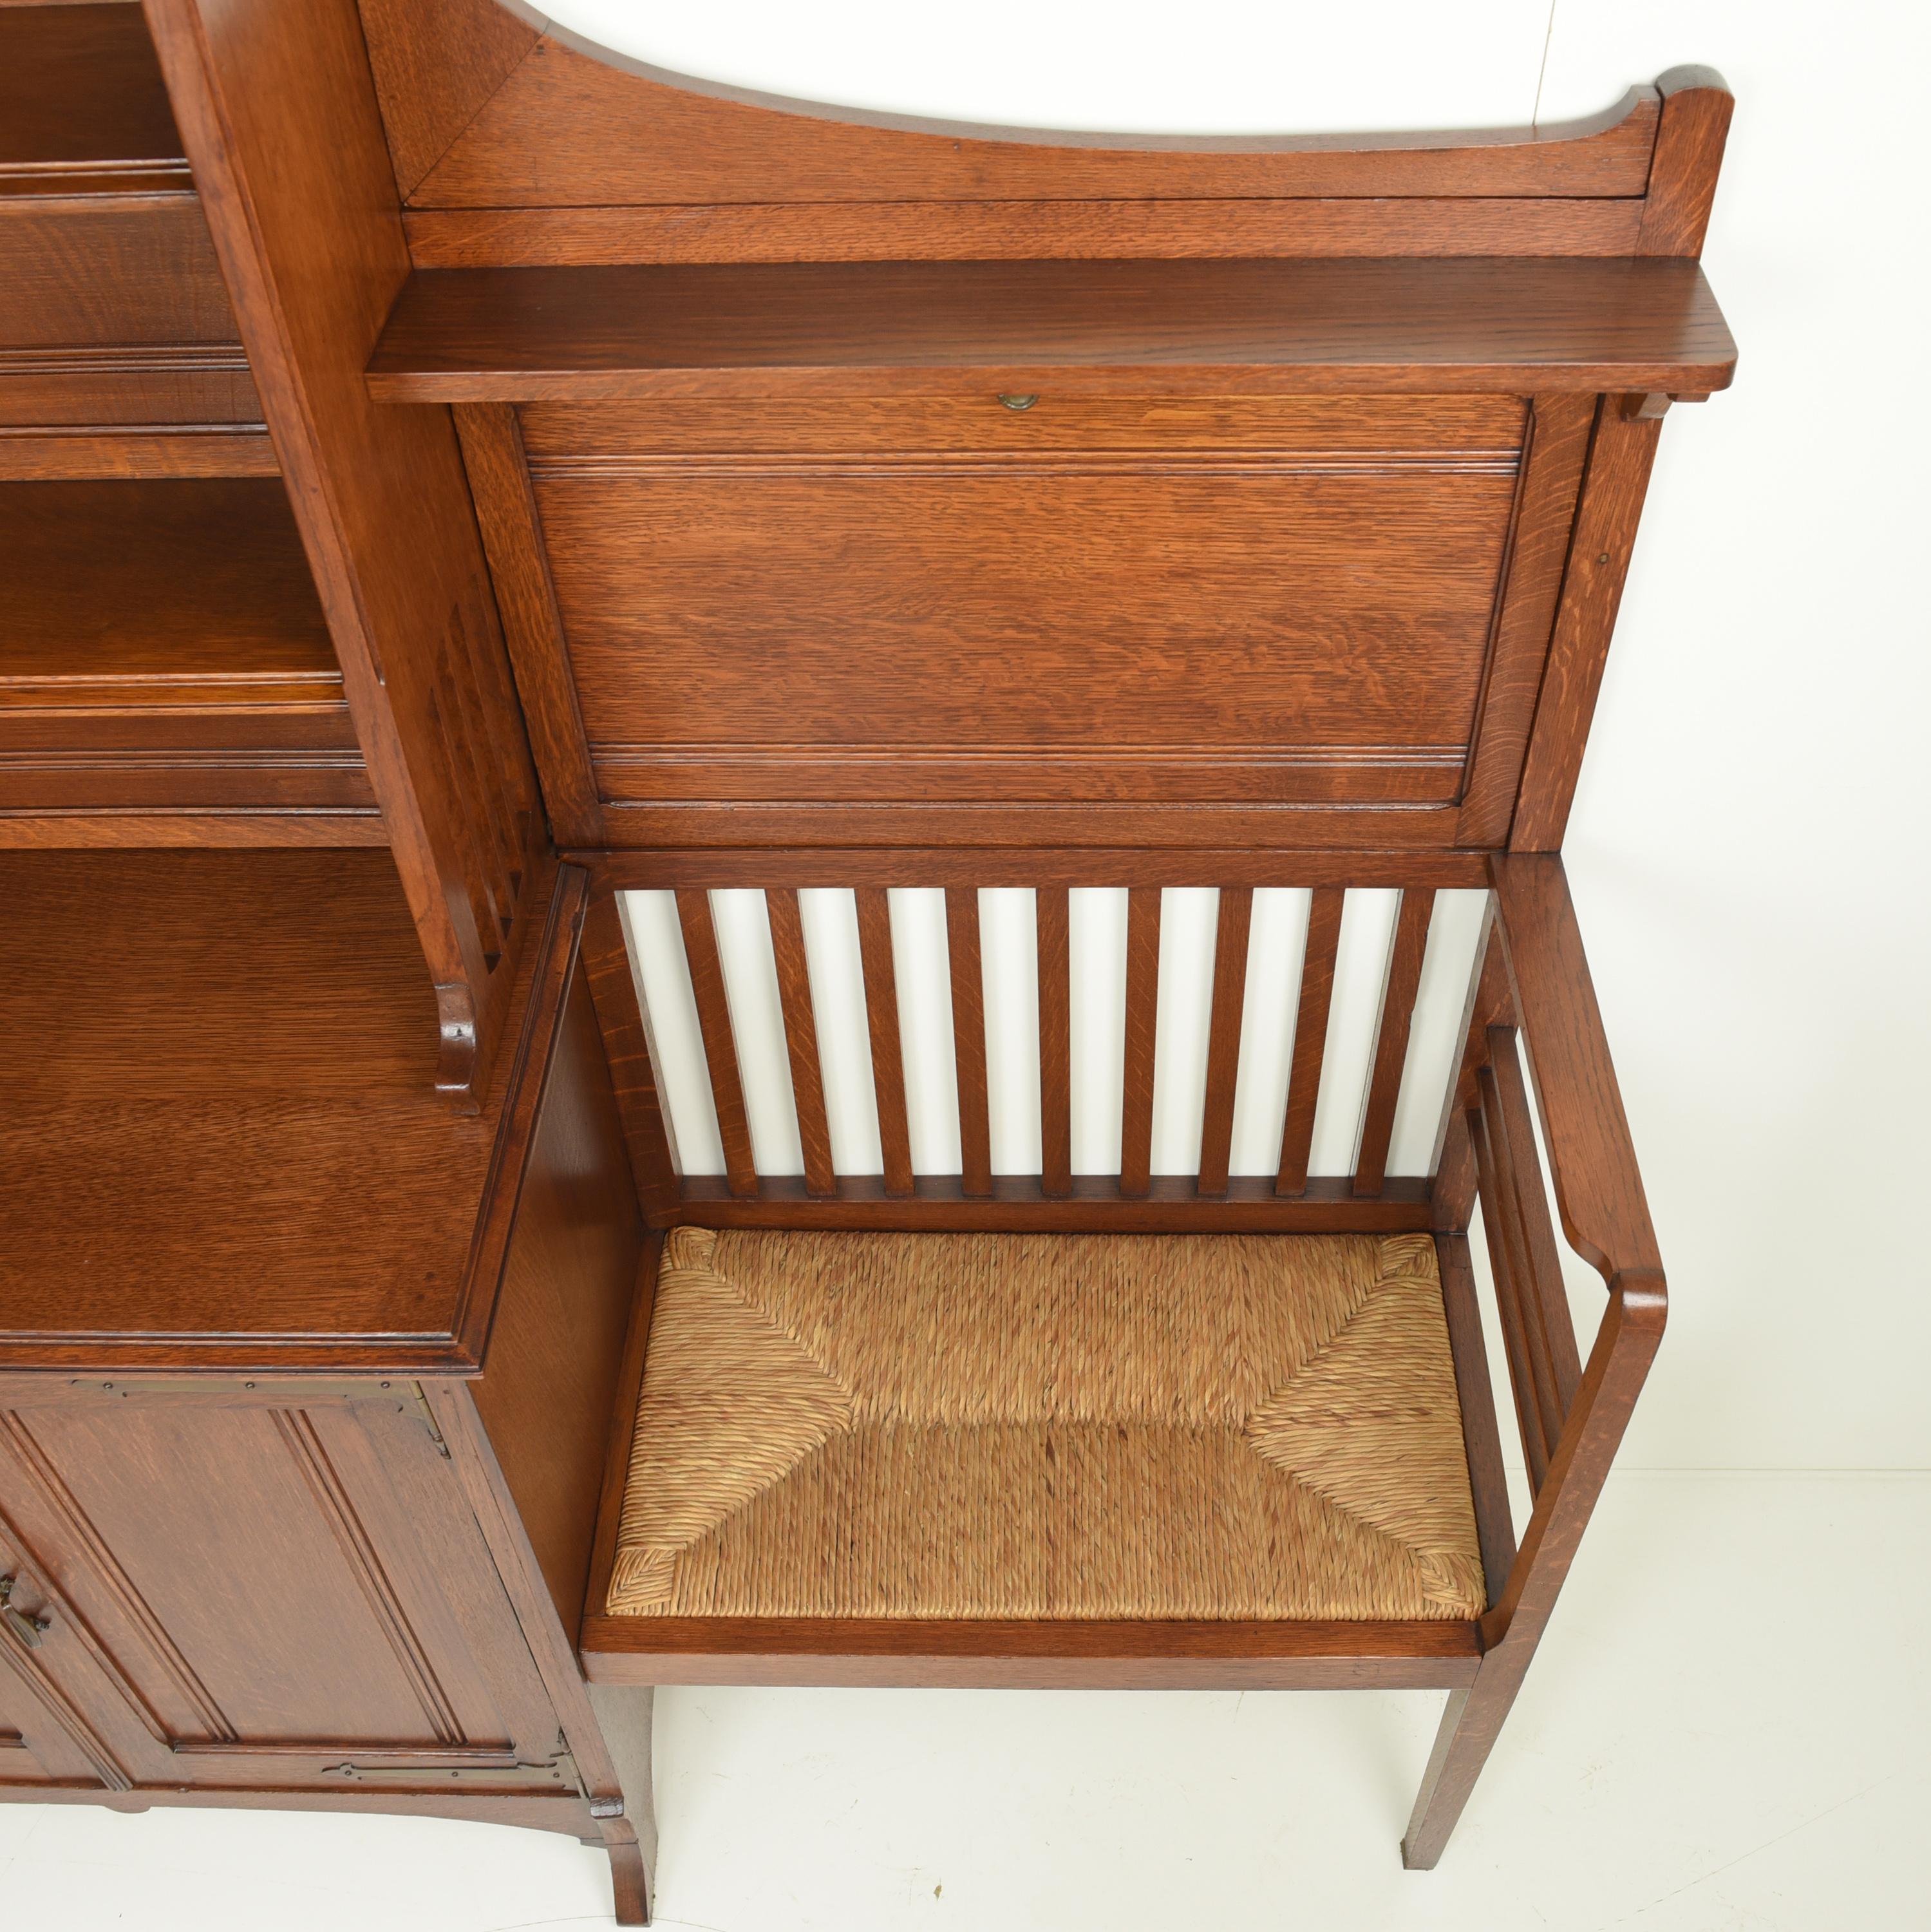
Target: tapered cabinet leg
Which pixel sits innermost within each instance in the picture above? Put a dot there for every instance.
(630, 1885)
(623, 1713)
(1470, 1725)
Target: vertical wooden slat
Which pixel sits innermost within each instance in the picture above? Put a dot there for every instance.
(801, 1038)
(1504, 1207)
(627, 1048)
(1515, 1340)
(1053, 922)
(969, 1038)
(1143, 999)
(1323, 935)
(1544, 1257)
(1453, 1190)
(1475, 1394)
(1223, 1044)
(1501, 1212)
(1391, 1044)
(888, 1061)
(714, 1019)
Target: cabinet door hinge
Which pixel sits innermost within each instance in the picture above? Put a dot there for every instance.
(426, 1416)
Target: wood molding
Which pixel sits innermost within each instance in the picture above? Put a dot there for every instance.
(1129, 1653)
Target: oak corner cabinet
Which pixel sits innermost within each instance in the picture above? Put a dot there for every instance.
(462, 494)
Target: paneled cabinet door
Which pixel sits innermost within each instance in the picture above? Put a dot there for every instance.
(46, 1738)
(283, 1588)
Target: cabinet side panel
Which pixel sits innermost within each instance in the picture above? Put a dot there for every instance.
(550, 1374)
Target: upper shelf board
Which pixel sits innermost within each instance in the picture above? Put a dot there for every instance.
(83, 107)
(1426, 326)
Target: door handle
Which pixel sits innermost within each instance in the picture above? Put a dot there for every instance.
(29, 1630)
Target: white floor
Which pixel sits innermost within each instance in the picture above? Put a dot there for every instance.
(1727, 1727)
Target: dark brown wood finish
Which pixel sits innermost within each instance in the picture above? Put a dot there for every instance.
(1620, 459)
(1557, 446)
(1223, 1046)
(1691, 131)
(1052, 915)
(1529, 1374)
(632, 1064)
(506, 513)
(1317, 991)
(666, 868)
(114, 311)
(576, 126)
(968, 992)
(81, 102)
(1119, 1655)
(247, 1037)
(1391, 1039)
(801, 1038)
(1337, 327)
(1488, 1478)
(1598, 1189)
(714, 1019)
(166, 652)
(1096, 1203)
(888, 1064)
(1513, 1129)
(1143, 999)
(154, 452)
(794, 453)
(277, 113)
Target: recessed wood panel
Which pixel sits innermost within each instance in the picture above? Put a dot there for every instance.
(277, 1594)
(1298, 615)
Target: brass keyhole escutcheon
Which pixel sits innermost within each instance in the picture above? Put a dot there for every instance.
(1013, 402)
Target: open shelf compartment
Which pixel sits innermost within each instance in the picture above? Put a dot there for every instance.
(118, 348)
(167, 653)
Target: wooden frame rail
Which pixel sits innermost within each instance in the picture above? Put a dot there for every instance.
(1534, 982)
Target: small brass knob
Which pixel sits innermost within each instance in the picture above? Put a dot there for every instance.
(1013, 402)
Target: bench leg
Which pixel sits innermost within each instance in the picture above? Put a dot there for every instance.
(623, 1713)
(1470, 1726)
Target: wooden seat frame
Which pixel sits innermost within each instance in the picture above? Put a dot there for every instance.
(496, 295)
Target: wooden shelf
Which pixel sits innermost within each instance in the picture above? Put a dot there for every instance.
(82, 107)
(115, 318)
(226, 1146)
(165, 650)
(525, 334)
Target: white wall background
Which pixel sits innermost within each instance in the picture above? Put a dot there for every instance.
(1747, 850)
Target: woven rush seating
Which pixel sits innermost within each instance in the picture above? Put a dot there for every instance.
(998, 1425)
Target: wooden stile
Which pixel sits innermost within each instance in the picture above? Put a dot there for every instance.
(627, 1047)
